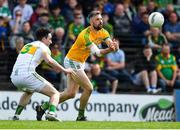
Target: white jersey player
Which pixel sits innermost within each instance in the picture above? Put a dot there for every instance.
(25, 78)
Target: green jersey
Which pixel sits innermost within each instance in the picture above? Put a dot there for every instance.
(167, 66)
(5, 12)
(57, 22)
(159, 40)
(75, 29)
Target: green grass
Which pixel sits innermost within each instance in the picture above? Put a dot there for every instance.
(87, 125)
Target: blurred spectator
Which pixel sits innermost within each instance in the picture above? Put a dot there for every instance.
(167, 69)
(143, 27)
(5, 12)
(68, 10)
(167, 11)
(137, 18)
(44, 4)
(75, 27)
(13, 53)
(58, 36)
(26, 10)
(16, 25)
(108, 7)
(151, 6)
(3, 35)
(99, 5)
(107, 25)
(156, 38)
(49, 73)
(42, 22)
(172, 30)
(17, 22)
(116, 66)
(38, 10)
(129, 10)
(27, 33)
(101, 78)
(121, 22)
(56, 19)
(145, 71)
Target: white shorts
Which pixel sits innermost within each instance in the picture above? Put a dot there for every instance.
(73, 64)
(29, 83)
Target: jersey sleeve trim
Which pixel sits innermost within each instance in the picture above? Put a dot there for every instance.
(86, 37)
(106, 38)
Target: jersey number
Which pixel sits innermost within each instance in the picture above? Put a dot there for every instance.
(30, 49)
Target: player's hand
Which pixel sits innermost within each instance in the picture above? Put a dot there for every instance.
(114, 45)
(68, 71)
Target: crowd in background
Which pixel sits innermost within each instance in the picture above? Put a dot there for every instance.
(156, 69)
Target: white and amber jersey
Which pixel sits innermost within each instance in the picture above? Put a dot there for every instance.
(30, 57)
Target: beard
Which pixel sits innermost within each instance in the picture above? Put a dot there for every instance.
(98, 27)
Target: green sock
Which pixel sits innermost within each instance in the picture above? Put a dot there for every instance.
(81, 113)
(19, 110)
(45, 105)
(52, 108)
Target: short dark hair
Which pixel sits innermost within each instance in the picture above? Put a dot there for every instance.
(41, 33)
(146, 47)
(93, 13)
(25, 22)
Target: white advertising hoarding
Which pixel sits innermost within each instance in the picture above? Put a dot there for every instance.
(101, 107)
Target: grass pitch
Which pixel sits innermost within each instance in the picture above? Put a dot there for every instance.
(5, 124)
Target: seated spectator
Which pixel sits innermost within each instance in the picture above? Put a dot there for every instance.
(143, 27)
(38, 10)
(26, 10)
(156, 38)
(16, 25)
(129, 9)
(42, 22)
(17, 22)
(56, 19)
(13, 53)
(3, 35)
(5, 12)
(106, 24)
(49, 73)
(75, 27)
(167, 69)
(44, 4)
(120, 21)
(101, 78)
(167, 11)
(172, 30)
(145, 71)
(108, 7)
(68, 10)
(58, 36)
(137, 18)
(27, 33)
(116, 66)
(151, 6)
(79, 10)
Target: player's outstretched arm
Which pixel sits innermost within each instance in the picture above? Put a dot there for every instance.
(54, 64)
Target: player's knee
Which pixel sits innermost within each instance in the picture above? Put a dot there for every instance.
(89, 89)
